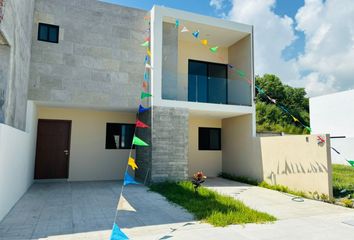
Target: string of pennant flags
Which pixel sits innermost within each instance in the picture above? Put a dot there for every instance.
(117, 233)
(240, 73)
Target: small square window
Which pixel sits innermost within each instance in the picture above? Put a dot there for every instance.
(209, 138)
(48, 33)
(119, 136)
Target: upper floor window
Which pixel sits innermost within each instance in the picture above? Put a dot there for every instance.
(207, 82)
(209, 138)
(119, 136)
(48, 33)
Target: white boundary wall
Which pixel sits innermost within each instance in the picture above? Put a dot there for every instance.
(17, 154)
(334, 114)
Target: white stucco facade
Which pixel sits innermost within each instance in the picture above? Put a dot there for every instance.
(334, 114)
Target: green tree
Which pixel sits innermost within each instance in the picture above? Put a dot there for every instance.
(270, 116)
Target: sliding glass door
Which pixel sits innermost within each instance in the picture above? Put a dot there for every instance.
(207, 82)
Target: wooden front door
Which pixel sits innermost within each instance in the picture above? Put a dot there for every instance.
(53, 149)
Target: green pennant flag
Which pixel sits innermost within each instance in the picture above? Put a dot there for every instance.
(241, 73)
(138, 142)
(145, 44)
(309, 129)
(145, 95)
(351, 162)
(214, 49)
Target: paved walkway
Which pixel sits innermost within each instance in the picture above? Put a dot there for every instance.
(63, 211)
(84, 210)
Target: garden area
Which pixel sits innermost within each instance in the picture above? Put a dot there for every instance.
(209, 206)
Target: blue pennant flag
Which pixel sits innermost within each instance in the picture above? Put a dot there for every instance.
(129, 179)
(117, 234)
(142, 109)
(196, 34)
(146, 59)
(146, 76)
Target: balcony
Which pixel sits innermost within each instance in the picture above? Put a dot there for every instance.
(192, 73)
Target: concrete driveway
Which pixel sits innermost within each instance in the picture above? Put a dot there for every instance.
(63, 211)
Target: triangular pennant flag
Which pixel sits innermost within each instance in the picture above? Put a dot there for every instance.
(241, 73)
(148, 52)
(177, 23)
(204, 42)
(214, 49)
(145, 44)
(148, 66)
(140, 124)
(309, 129)
(123, 204)
(138, 142)
(146, 59)
(146, 76)
(117, 234)
(131, 162)
(184, 29)
(351, 162)
(145, 86)
(145, 95)
(129, 179)
(230, 66)
(295, 119)
(142, 109)
(147, 39)
(196, 34)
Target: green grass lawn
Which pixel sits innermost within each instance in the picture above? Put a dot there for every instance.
(209, 206)
(343, 178)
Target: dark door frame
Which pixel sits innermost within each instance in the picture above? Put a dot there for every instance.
(207, 75)
(69, 142)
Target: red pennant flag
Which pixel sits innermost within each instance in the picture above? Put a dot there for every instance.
(147, 39)
(140, 124)
(145, 86)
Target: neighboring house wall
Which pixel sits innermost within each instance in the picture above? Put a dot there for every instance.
(17, 153)
(332, 114)
(98, 61)
(89, 160)
(207, 161)
(16, 34)
(298, 162)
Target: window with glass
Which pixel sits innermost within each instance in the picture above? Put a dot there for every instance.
(119, 135)
(209, 138)
(48, 33)
(207, 82)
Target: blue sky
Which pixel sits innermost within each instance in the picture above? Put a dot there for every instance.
(282, 7)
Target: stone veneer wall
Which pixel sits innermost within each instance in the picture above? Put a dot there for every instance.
(15, 45)
(98, 61)
(169, 144)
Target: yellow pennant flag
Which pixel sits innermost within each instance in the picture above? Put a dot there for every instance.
(131, 162)
(295, 119)
(148, 52)
(204, 42)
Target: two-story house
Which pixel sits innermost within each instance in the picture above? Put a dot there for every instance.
(70, 80)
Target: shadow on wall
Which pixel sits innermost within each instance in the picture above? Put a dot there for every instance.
(298, 162)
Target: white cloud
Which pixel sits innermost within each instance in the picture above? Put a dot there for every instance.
(217, 4)
(329, 49)
(272, 34)
(329, 42)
